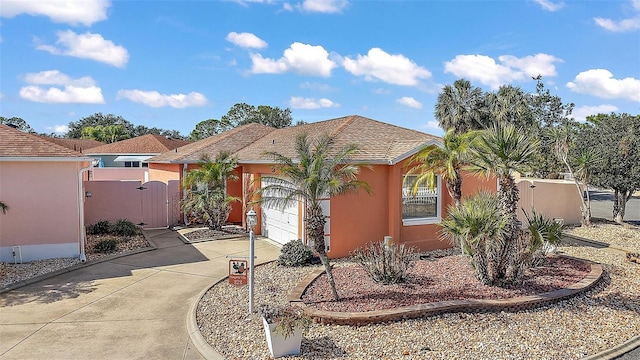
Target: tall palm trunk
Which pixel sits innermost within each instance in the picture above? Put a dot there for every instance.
(508, 195)
(315, 232)
(454, 187)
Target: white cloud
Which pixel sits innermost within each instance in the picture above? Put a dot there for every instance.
(316, 86)
(410, 102)
(550, 5)
(600, 83)
(582, 112)
(58, 129)
(393, 69)
(629, 24)
(432, 124)
(538, 64)
(246, 40)
(297, 102)
(381, 91)
(64, 90)
(625, 25)
(73, 12)
(55, 77)
(155, 99)
(324, 6)
(486, 70)
(88, 46)
(69, 95)
(301, 58)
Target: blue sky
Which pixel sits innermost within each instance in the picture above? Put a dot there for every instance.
(172, 64)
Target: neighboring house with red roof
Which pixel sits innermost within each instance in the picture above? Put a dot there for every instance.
(174, 164)
(41, 182)
(352, 220)
(134, 152)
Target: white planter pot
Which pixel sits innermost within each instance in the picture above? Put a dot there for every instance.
(278, 345)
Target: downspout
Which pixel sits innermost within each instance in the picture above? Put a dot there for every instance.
(82, 231)
(184, 191)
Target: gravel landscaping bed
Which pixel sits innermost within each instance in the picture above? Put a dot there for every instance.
(12, 273)
(602, 318)
(619, 235)
(207, 234)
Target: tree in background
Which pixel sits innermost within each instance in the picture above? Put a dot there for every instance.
(242, 114)
(207, 198)
(461, 107)
(616, 140)
(319, 172)
(106, 134)
(131, 130)
(207, 128)
(563, 137)
(17, 123)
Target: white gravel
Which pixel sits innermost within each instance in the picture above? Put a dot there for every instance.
(11, 273)
(598, 320)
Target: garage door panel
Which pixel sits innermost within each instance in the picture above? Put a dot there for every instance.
(280, 225)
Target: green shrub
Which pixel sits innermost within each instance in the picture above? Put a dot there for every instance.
(101, 227)
(295, 253)
(386, 265)
(106, 245)
(124, 227)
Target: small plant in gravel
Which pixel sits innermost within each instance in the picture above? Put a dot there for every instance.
(125, 227)
(386, 264)
(295, 253)
(101, 227)
(106, 245)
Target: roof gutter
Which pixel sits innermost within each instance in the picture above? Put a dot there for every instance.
(46, 159)
(82, 231)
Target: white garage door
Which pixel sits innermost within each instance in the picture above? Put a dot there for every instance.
(277, 224)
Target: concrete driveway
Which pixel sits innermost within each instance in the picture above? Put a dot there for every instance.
(134, 307)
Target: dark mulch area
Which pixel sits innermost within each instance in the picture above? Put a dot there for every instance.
(443, 279)
(205, 234)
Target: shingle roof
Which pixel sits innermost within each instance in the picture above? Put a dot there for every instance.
(15, 143)
(145, 144)
(378, 142)
(230, 140)
(80, 145)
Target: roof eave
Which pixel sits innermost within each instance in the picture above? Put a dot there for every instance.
(414, 151)
(45, 159)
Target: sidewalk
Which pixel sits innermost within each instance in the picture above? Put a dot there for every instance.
(134, 307)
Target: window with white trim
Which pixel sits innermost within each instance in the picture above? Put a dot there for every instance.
(423, 207)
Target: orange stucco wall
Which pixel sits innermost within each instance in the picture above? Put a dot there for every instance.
(164, 172)
(43, 203)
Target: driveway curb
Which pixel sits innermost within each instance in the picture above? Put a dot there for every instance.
(193, 329)
(617, 351)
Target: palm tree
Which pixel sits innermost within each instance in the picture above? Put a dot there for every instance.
(502, 150)
(511, 105)
(207, 198)
(585, 161)
(461, 107)
(4, 207)
(480, 230)
(320, 172)
(446, 161)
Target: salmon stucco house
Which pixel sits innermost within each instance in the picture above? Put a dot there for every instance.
(41, 182)
(352, 220)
